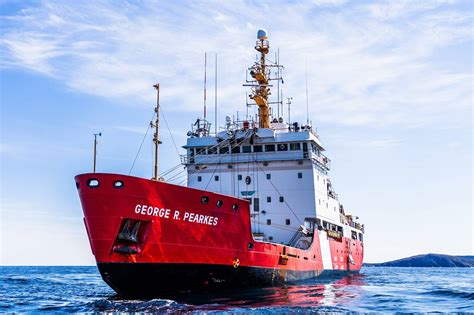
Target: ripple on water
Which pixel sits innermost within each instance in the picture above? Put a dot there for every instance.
(81, 289)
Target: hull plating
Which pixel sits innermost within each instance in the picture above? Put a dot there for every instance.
(143, 232)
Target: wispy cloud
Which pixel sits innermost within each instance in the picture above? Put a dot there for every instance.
(368, 64)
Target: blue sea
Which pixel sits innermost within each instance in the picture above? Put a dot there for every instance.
(375, 289)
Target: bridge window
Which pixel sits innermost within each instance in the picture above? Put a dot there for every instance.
(224, 150)
(257, 148)
(211, 150)
(295, 146)
(269, 148)
(300, 175)
(283, 147)
(200, 150)
(236, 150)
(269, 199)
(246, 149)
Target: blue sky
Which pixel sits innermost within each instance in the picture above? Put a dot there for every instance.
(390, 92)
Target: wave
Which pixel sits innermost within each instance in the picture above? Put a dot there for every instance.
(451, 293)
(155, 305)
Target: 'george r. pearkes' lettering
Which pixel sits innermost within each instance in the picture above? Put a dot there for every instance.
(166, 214)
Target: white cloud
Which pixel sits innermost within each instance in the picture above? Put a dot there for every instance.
(368, 64)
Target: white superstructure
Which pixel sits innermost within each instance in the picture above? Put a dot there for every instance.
(279, 167)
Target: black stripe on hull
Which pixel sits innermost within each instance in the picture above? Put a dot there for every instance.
(161, 280)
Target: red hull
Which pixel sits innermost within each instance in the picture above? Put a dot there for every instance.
(172, 226)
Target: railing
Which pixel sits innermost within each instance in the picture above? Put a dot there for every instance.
(321, 160)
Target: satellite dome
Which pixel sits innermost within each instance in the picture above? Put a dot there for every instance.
(262, 34)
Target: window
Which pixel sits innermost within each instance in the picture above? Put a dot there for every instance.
(199, 178)
(361, 238)
(229, 165)
(269, 148)
(354, 235)
(212, 150)
(224, 150)
(319, 201)
(256, 204)
(269, 199)
(118, 184)
(239, 177)
(204, 199)
(287, 222)
(295, 146)
(269, 176)
(300, 175)
(236, 150)
(283, 147)
(327, 206)
(92, 182)
(269, 222)
(270, 238)
(257, 148)
(246, 149)
(282, 199)
(216, 178)
(318, 177)
(200, 150)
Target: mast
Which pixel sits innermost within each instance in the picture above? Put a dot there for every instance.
(156, 140)
(259, 72)
(215, 95)
(307, 101)
(95, 148)
(205, 86)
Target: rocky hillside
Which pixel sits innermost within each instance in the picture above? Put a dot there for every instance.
(429, 260)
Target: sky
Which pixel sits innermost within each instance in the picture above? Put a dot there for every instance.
(390, 90)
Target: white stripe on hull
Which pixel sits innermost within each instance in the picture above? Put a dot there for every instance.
(325, 250)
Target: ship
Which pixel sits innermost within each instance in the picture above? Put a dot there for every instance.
(257, 207)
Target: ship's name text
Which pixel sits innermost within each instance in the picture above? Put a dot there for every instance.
(176, 215)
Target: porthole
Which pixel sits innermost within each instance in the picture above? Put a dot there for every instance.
(118, 184)
(92, 182)
(235, 207)
(219, 203)
(250, 245)
(204, 199)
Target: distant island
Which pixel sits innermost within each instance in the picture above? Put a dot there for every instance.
(428, 260)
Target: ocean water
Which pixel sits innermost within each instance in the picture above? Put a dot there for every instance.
(375, 289)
